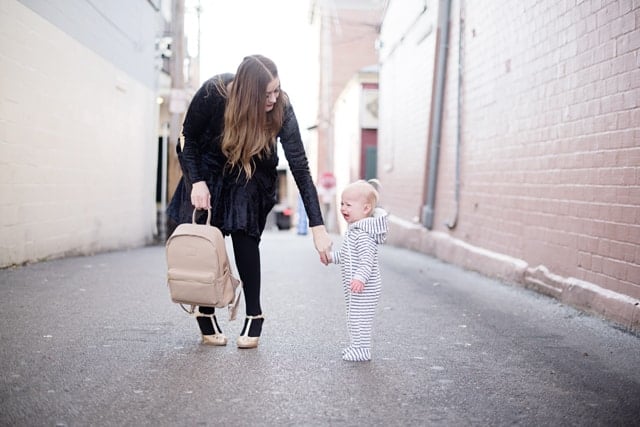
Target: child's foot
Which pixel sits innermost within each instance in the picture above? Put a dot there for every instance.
(356, 354)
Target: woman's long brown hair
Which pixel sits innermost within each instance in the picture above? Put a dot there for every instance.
(249, 130)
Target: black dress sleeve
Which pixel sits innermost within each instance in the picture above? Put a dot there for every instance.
(197, 122)
(293, 147)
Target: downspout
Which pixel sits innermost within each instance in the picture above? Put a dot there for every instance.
(162, 232)
(436, 122)
(454, 221)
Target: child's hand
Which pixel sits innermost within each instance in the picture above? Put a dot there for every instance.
(357, 286)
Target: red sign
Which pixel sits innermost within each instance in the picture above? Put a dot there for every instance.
(327, 180)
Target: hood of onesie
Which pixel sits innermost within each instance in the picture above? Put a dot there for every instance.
(376, 226)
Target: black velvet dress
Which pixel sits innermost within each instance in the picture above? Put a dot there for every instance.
(237, 204)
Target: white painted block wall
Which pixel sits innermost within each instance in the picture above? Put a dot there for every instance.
(78, 146)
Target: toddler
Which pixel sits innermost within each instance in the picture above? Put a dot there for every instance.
(358, 257)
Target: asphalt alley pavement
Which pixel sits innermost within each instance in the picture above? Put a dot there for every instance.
(96, 341)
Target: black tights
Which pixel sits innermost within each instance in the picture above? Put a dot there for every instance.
(247, 255)
(246, 251)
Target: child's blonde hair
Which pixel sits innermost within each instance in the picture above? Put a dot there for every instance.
(367, 189)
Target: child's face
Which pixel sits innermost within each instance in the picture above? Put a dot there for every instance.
(354, 206)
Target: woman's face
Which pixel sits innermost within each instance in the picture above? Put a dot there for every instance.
(273, 91)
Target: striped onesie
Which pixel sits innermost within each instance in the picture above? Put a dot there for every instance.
(358, 257)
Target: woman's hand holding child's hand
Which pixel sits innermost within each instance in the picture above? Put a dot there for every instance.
(326, 261)
(322, 242)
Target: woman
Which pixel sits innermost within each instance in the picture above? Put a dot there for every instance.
(229, 161)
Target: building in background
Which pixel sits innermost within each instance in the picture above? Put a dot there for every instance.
(78, 126)
(509, 143)
(348, 31)
(179, 79)
(355, 132)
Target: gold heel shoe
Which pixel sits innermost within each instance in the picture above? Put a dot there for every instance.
(218, 338)
(244, 340)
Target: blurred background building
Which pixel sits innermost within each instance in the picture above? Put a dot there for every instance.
(346, 125)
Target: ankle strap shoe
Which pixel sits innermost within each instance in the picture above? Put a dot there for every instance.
(246, 341)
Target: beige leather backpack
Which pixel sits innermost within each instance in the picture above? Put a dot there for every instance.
(198, 270)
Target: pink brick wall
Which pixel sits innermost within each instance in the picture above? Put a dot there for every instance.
(406, 65)
(550, 150)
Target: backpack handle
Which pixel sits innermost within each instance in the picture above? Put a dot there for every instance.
(193, 216)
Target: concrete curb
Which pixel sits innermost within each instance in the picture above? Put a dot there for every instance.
(621, 309)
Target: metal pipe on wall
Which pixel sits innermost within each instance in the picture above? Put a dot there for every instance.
(176, 107)
(444, 12)
(162, 232)
(454, 221)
